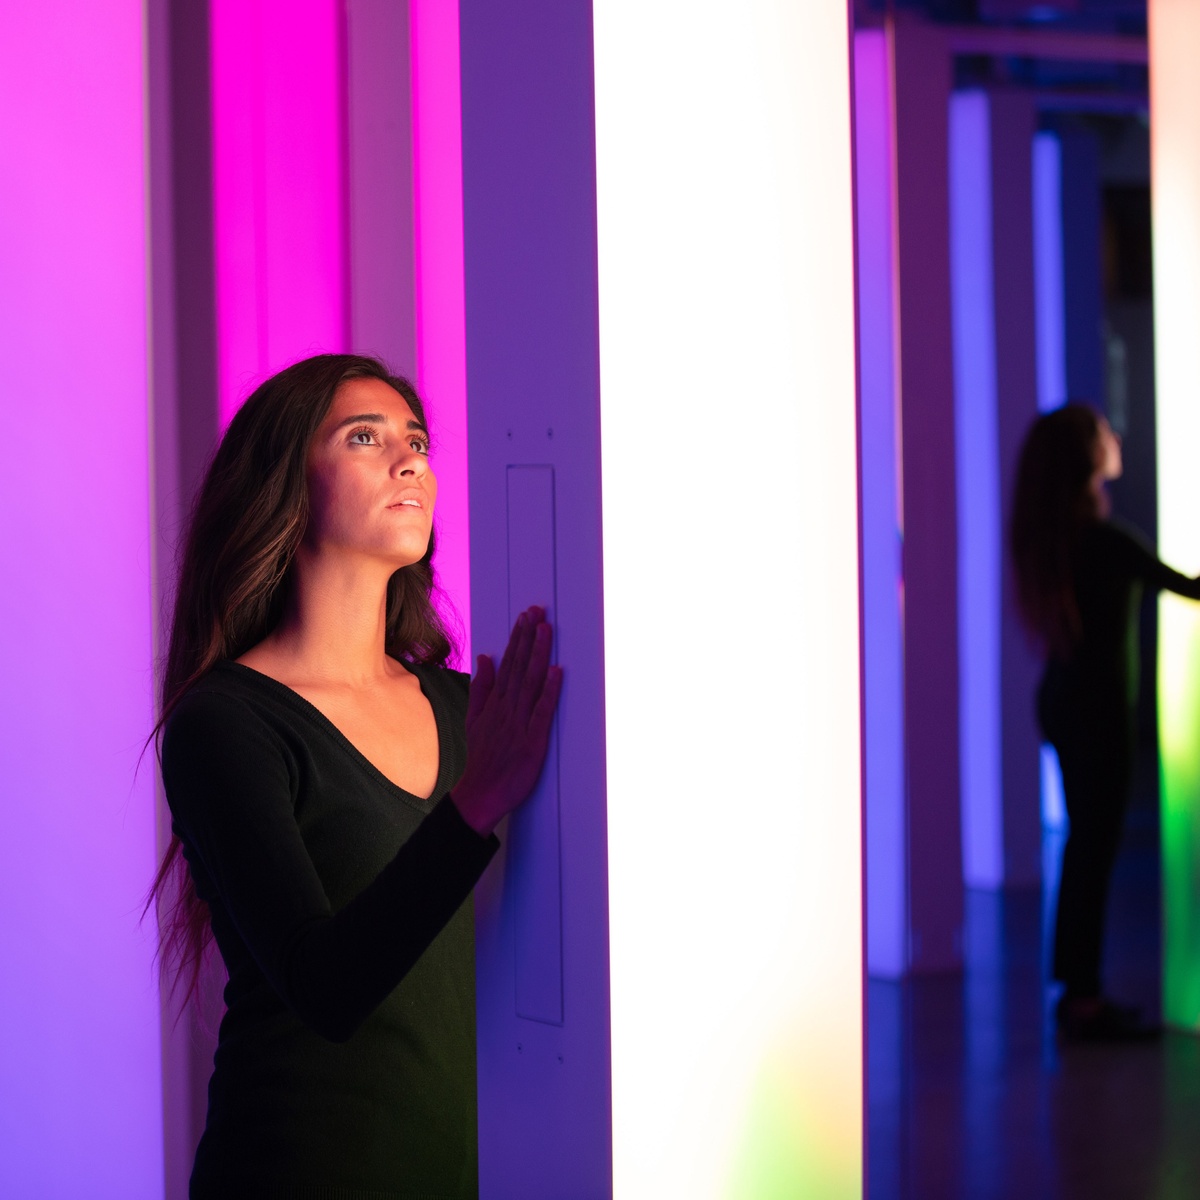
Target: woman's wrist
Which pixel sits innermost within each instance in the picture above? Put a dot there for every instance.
(474, 811)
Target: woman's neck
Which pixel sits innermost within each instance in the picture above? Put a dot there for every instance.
(334, 624)
(1100, 495)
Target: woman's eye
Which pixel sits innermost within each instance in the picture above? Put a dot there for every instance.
(420, 445)
(362, 437)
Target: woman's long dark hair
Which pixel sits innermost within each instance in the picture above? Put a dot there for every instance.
(1052, 503)
(246, 525)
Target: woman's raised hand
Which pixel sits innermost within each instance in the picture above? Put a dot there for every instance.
(509, 715)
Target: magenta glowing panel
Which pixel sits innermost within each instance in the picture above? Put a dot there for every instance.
(279, 210)
(438, 258)
(882, 534)
(81, 1101)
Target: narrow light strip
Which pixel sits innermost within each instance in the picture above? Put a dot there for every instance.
(278, 187)
(1048, 271)
(883, 634)
(1049, 307)
(438, 258)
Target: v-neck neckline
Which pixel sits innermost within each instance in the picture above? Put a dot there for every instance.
(310, 710)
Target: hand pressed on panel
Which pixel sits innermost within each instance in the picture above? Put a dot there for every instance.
(509, 716)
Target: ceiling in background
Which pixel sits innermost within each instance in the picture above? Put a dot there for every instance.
(1109, 16)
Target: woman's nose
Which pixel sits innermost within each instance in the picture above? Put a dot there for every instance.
(411, 462)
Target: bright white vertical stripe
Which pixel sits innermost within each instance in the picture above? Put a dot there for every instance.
(1175, 179)
(731, 596)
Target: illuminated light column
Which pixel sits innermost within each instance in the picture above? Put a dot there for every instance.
(1175, 180)
(977, 462)
(995, 368)
(381, 295)
(1048, 269)
(921, 83)
(405, 239)
(727, 352)
(81, 1102)
(1049, 313)
(279, 186)
(882, 535)
(441, 361)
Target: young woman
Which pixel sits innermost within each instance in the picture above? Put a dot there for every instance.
(333, 789)
(1080, 580)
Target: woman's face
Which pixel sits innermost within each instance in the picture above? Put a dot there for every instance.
(371, 492)
(1108, 452)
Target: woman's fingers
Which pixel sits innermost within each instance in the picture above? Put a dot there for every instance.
(534, 620)
(533, 682)
(506, 663)
(520, 645)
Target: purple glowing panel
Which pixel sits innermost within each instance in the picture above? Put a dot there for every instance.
(978, 483)
(883, 646)
(81, 1102)
(1048, 272)
(278, 187)
(1049, 308)
(530, 286)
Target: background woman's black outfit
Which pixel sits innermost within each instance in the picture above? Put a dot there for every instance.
(1086, 708)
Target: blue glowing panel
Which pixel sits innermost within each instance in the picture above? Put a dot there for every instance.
(1048, 272)
(978, 484)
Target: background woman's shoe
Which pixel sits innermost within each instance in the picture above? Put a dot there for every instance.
(1101, 1020)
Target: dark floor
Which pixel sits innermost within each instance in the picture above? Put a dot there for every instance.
(971, 1098)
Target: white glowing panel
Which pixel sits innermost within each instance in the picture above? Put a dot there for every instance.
(1175, 188)
(723, 147)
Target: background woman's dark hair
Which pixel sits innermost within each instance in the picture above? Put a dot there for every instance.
(246, 525)
(1052, 503)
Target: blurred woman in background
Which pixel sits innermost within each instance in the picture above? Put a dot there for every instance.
(1080, 580)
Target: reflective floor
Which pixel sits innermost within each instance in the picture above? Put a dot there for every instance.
(971, 1098)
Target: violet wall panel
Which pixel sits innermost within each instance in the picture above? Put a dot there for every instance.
(533, 392)
(921, 67)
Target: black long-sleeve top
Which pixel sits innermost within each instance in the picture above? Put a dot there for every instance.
(1112, 565)
(345, 1065)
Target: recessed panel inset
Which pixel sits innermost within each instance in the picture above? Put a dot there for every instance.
(534, 872)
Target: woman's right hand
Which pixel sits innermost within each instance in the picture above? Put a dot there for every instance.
(509, 715)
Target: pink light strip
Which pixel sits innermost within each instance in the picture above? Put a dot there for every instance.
(441, 331)
(278, 187)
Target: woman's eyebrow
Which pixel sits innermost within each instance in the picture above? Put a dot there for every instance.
(377, 419)
(370, 418)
